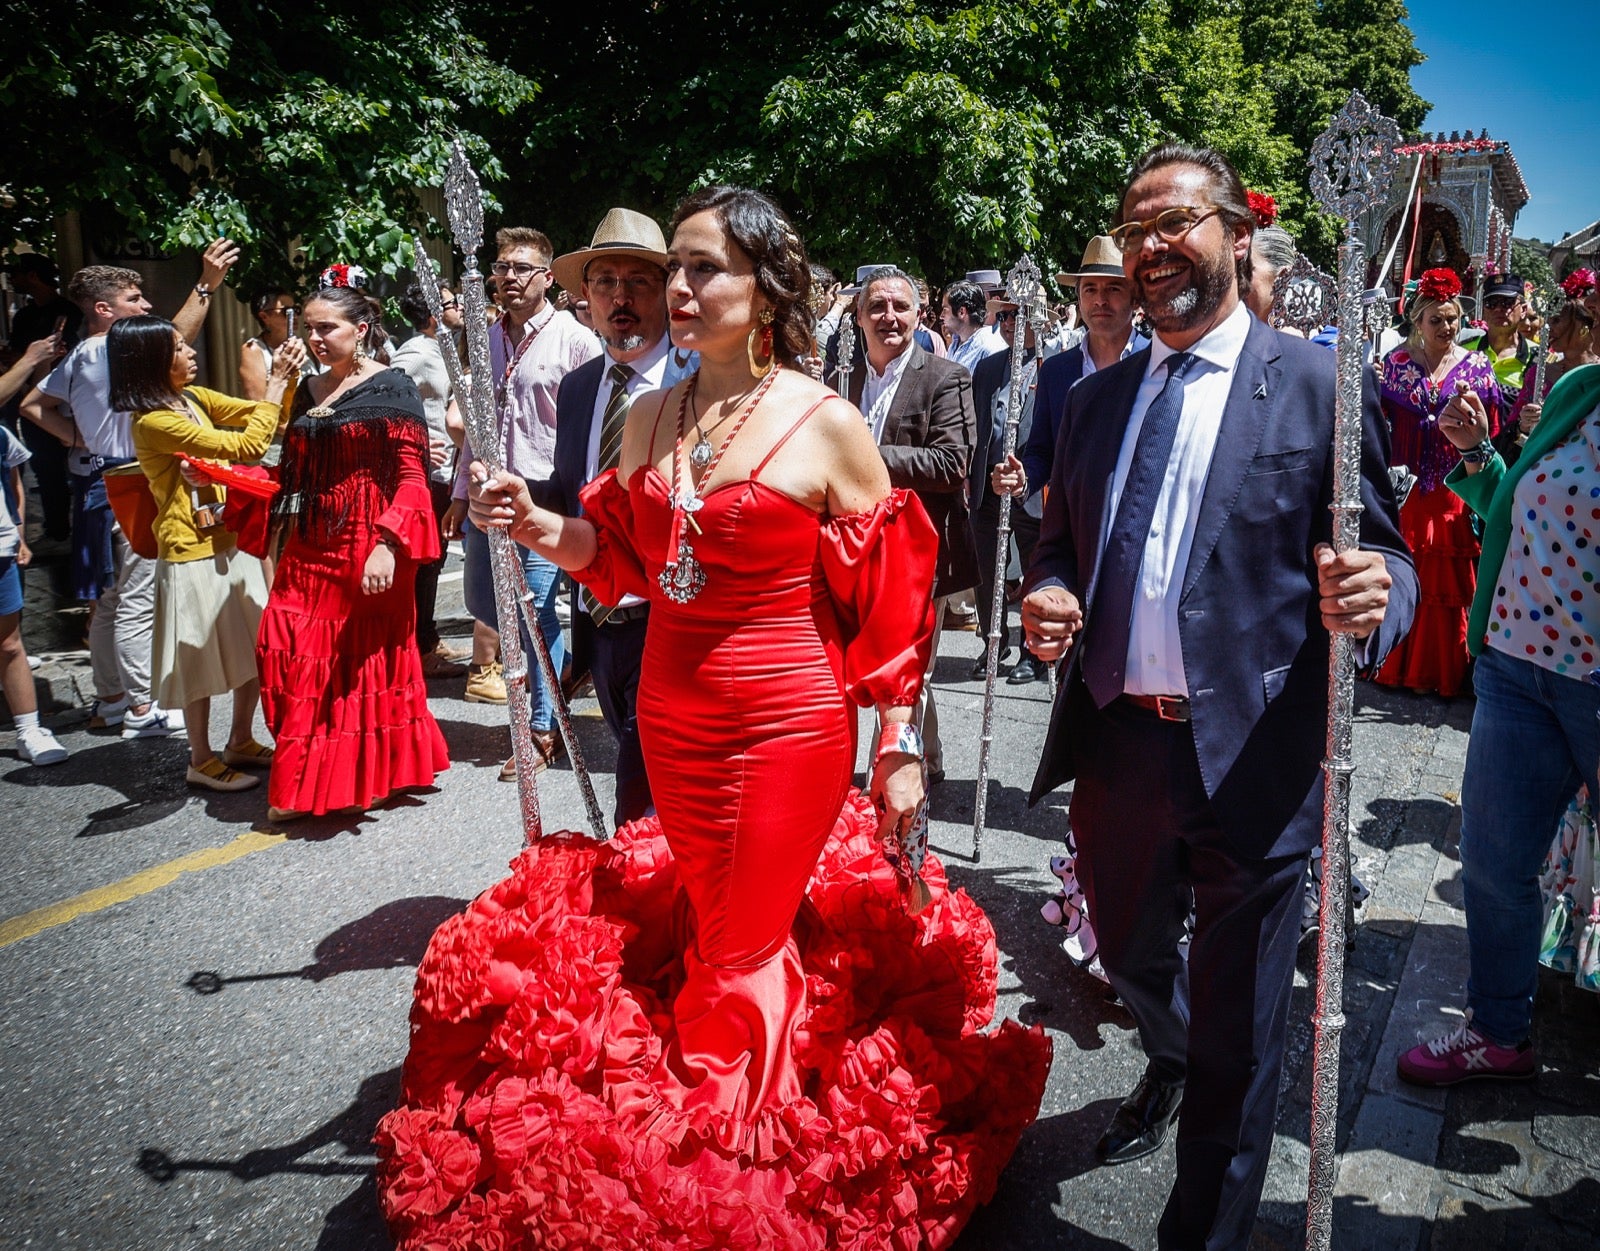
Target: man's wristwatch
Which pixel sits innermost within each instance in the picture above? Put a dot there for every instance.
(1480, 455)
(899, 736)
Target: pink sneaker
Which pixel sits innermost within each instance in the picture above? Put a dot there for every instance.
(1464, 1054)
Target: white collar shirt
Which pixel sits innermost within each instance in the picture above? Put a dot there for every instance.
(1155, 649)
(656, 370)
(1136, 343)
(82, 383)
(878, 391)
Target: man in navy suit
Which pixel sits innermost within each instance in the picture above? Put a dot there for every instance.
(1184, 556)
(622, 274)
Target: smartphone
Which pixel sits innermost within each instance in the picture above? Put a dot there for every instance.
(60, 326)
(288, 317)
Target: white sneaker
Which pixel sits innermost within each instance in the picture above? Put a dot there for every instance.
(157, 723)
(34, 662)
(38, 746)
(108, 713)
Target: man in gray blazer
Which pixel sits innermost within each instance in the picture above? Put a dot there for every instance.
(920, 409)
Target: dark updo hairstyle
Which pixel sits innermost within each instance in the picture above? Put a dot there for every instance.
(761, 231)
(355, 306)
(139, 353)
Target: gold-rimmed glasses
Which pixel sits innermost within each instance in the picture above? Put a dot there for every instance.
(1169, 224)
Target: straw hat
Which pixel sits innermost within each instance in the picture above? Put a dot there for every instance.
(862, 271)
(622, 232)
(1101, 259)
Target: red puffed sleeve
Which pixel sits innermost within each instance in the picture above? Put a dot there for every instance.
(409, 518)
(879, 565)
(616, 569)
(248, 513)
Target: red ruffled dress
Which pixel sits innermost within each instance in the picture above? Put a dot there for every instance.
(1436, 524)
(721, 1028)
(342, 688)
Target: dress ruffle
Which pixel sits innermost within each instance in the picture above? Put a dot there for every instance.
(542, 1011)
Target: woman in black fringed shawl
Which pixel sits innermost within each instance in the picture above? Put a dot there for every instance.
(341, 680)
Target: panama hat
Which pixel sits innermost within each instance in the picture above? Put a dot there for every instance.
(988, 279)
(621, 232)
(1101, 259)
(862, 274)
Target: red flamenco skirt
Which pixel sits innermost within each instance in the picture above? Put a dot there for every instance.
(342, 689)
(541, 1009)
(1434, 657)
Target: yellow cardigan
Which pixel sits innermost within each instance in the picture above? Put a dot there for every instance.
(159, 434)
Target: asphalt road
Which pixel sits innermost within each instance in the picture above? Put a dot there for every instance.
(204, 1021)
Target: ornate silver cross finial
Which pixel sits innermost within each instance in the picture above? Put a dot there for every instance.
(1304, 297)
(463, 203)
(1024, 287)
(1353, 161)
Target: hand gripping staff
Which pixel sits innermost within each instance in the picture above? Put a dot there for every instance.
(1025, 290)
(464, 206)
(1352, 165)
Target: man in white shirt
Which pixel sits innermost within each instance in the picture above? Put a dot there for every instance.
(74, 404)
(531, 349)
(622, 275)
(920, 409)
(1186, 532)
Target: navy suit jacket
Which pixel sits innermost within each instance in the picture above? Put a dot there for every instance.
(1056, 377)
(1255, 653)
(574, 425)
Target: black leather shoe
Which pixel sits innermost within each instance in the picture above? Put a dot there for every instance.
(1028, 670)
(980, 666)
(1140, 1124)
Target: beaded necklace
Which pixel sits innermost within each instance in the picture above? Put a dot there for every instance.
(683, 577)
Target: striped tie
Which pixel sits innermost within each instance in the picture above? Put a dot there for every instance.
(611, 425)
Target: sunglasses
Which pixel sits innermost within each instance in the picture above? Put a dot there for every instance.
(1005, 314)
(446, 305)
(1169, 225)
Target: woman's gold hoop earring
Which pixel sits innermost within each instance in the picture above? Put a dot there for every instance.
(764, 330)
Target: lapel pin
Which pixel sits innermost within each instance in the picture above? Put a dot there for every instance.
(1261, 391)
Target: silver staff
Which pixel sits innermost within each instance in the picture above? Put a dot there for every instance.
(1544, 352)
(847, 351)
(464, 205)
(1024, 289)
(1352, 164)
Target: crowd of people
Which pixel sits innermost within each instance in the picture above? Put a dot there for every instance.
(757, 1013)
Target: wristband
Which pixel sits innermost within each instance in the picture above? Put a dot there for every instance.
(899, 736)
(1480, 455)
(203, 291)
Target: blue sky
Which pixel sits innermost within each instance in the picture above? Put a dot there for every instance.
(1527, 72)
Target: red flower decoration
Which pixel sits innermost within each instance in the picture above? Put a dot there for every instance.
(1264, 207)
(1578, 284)
(1439, 284)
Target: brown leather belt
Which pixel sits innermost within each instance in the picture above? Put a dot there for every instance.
(1167, 707)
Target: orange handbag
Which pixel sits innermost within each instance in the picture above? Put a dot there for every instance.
(134, 506)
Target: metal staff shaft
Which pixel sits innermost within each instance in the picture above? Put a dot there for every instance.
(1351, 166)
(847, 353)
(512, 600)
(1023, 286)
(430, 292)
(1538, 365)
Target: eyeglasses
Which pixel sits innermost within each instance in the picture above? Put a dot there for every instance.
(1005, 314)
(637, 284)
(287, 308)
(520, 270)
(446, 305)
(1170, 225)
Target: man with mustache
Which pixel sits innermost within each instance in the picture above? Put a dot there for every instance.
(622, 276)
(1184, 557)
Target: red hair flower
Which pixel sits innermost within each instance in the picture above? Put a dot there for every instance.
(1439, 284)
(1578, 284)
(342, 275)
(1264, 207)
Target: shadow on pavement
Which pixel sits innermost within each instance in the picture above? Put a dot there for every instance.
(393, 936)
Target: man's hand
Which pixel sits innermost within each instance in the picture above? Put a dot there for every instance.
(1008, 478)
(42, 351)
(216, 261)
(438, 451)
(1354, 589)
(1051, 619)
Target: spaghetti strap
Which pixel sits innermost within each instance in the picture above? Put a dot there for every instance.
(785, 437)
(665, 396)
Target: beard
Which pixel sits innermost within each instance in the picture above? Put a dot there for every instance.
(625, 342)
(1208, 285)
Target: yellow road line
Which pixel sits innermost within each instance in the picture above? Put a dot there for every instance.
(131, 887)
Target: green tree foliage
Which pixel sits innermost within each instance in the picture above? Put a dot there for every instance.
(1530, 260)
(303, 129)
(941, 134)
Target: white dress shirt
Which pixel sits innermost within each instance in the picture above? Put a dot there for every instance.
(877, 392)
(82, 383)
(1155, 651)
(1136, 343)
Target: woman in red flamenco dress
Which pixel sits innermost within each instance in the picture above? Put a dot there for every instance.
(724, 1027)
(1418, 379)
(341, 680)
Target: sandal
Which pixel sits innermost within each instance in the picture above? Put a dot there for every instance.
(213, 775)
(249, 753)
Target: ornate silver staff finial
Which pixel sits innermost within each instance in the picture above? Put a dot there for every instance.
(1025, 289)
(463, 197)
(1352, 164)
(1303, 297)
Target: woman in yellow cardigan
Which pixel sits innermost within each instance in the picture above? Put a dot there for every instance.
(209, 595)
(1535, 630)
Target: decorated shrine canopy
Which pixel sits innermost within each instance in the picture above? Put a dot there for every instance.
(1453, 203)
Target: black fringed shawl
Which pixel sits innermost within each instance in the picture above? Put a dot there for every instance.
(326, 456)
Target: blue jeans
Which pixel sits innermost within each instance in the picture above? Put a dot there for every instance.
(1508, 819)
(544, 580)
